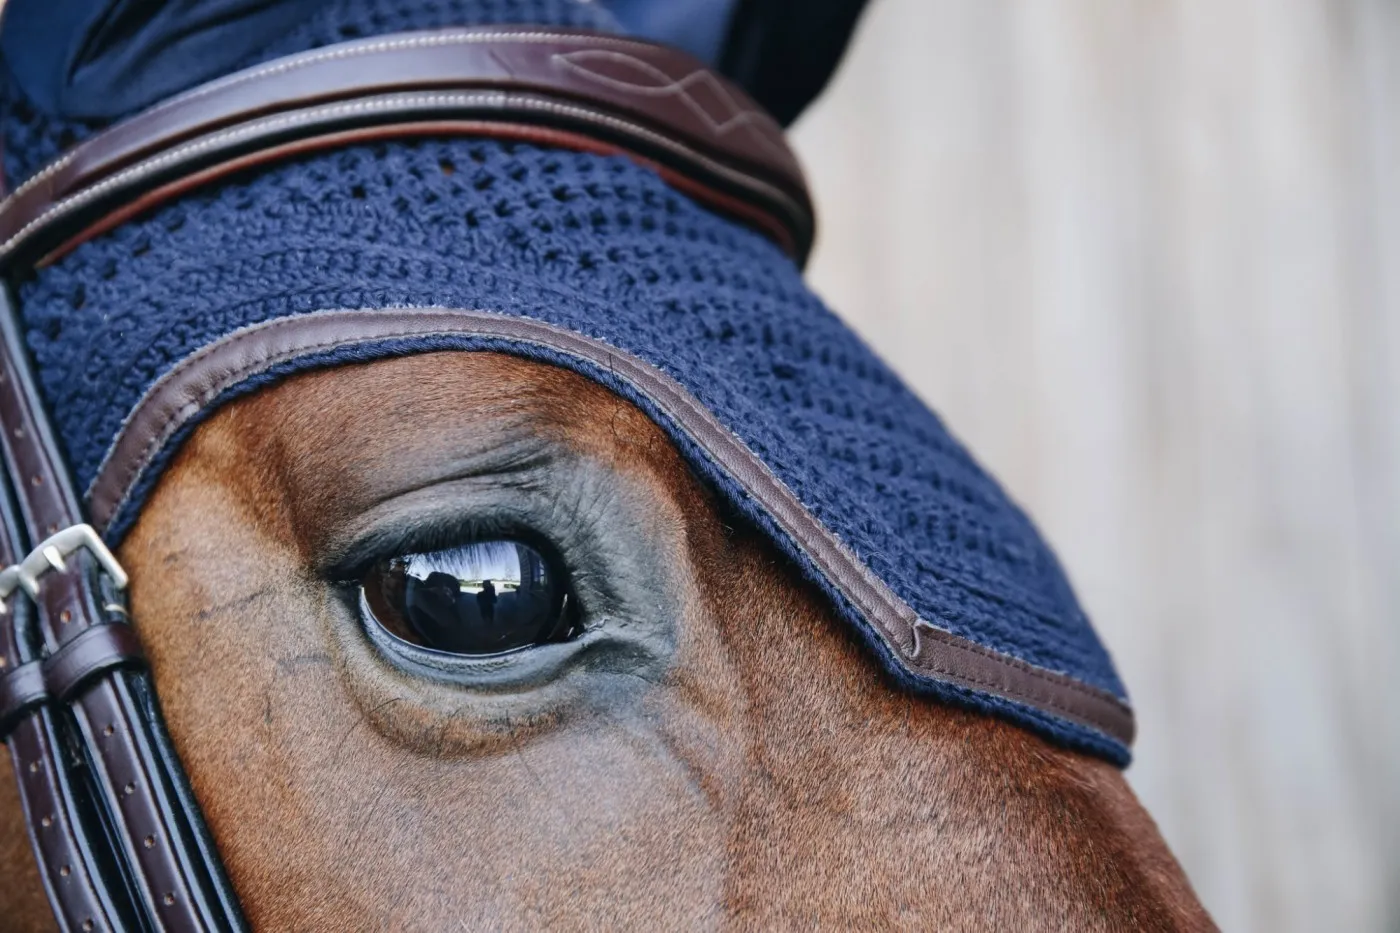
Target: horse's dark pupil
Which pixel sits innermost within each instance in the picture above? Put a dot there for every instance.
(480, 598)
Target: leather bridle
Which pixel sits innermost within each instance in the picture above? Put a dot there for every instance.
(117, 834)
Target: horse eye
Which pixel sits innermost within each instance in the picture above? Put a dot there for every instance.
(482, 598)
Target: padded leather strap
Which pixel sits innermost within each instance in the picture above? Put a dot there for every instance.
(574, 90)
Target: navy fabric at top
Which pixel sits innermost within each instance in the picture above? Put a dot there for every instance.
(601, 246)
(698, 26)
(102, 59)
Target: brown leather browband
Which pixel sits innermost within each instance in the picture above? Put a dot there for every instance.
(574, 90)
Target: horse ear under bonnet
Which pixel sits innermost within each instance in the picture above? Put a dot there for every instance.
(557, 192)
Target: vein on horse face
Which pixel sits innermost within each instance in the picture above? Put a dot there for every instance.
(340, 749)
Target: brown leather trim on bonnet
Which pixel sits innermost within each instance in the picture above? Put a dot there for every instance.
(185, 393)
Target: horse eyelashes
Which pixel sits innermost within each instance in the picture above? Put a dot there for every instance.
(476, 599)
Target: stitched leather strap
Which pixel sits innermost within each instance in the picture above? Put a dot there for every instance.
(185, 394)
(569, 89)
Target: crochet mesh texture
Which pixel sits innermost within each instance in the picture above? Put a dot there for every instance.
(603, 247)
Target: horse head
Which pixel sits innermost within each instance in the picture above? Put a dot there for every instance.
(510, 536)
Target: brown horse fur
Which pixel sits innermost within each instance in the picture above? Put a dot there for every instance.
(751, 768)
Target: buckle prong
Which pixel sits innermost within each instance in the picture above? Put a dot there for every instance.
(55, 559)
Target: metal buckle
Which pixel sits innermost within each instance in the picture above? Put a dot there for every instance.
(49, 555)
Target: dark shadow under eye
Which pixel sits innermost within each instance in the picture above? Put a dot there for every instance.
(481, 598)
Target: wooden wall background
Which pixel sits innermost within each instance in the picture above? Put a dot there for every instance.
(1144, 256)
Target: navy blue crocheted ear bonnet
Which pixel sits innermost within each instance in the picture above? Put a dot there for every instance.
(598, 247)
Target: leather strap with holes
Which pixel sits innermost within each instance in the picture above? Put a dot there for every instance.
(64, 832)
(79, 686)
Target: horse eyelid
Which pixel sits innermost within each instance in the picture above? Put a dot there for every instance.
(352, 561)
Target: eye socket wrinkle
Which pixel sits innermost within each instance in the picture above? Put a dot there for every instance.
(424, 534)
(503, 492)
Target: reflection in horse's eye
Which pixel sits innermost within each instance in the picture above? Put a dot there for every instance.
(480, 598)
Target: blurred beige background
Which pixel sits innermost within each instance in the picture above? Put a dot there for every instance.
(1144, 257)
